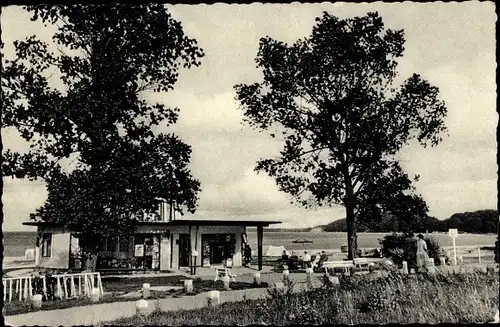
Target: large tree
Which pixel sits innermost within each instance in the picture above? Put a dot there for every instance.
(333, 98)
(107, 56)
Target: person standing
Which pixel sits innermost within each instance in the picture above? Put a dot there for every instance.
(284, 259)
(306, 260)
(422, 255)
(247, 255)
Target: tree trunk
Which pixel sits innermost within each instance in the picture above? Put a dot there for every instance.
(352, 238)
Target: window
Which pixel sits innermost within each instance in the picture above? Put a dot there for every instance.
(46, 245)
(111, 244)
(123, 244)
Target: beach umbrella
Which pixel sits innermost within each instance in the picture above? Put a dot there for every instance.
(302, 241)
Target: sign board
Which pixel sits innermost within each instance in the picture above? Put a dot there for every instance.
(139, 250)
(453, 232)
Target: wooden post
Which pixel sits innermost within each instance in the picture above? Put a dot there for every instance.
(79, 285)
(44, 282)
(26, 282)
(20, 287)
(73, 288)
(65, 282)
(59, 288)
(479, 253)
(10, 290)
(30, 288)
(100, 284)
(4, 289)
(260, 232)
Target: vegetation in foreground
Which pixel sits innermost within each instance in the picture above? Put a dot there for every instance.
(459, 298)
(118, 286)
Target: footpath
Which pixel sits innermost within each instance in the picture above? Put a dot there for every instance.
(102, 313)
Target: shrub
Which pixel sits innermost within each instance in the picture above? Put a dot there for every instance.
(402, 247)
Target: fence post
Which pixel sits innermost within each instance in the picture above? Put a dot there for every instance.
(10, 290)
(101, 289)
(4, 289)
(25, 290)
(73, 288)
(479, 253)
(59, 288)
(19, 289)
(65, 282)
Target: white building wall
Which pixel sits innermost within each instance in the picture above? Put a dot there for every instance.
(59, 258)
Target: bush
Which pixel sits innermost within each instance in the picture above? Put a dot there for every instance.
(403, 247)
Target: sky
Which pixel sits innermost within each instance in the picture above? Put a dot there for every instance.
(452, 45)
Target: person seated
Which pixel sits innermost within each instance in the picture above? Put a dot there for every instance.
(316, 261)
(293, 261)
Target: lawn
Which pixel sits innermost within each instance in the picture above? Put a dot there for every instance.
(455, 298)
(115, 287)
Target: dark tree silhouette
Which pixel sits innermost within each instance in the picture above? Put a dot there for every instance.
(333, 99)
(107, 56)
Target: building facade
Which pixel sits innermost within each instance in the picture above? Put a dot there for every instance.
(158, 244)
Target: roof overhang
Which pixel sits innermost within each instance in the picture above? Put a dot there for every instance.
(177, 222)
(206, 222)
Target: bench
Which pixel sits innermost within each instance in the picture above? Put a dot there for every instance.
(221, 272)
(364, 262)
(338, 264)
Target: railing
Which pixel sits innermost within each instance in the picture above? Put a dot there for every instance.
(66, 286)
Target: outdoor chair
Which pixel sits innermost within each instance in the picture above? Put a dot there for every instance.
(221, 272)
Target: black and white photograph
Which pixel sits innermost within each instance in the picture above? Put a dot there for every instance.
(249, 163)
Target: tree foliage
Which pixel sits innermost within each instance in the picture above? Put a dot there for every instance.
(106, 57)
(333, 99)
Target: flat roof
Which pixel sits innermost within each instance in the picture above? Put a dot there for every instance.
(177, 222)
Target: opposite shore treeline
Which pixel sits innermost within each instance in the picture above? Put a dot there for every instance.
(476, 222)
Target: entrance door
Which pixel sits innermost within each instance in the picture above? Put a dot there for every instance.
(184, 250)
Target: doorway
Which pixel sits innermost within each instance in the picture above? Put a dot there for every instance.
(184, 250)
(217, 248)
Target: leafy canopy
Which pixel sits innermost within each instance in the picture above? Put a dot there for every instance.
(332, 97)
(105, 58)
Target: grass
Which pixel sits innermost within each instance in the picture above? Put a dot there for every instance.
(119, 286)
(454, 298)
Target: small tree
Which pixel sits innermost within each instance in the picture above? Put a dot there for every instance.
(332, 98)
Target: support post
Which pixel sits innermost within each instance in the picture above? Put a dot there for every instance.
(260, 232)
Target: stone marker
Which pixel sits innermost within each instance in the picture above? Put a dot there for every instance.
(145, 290)
(442, 261)
(412, 271)
(141, 307)
(95, 294)
(213, 298)
(405, 267)
(37, 301)
(257, 279)
(225, 280)
(188, 285)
